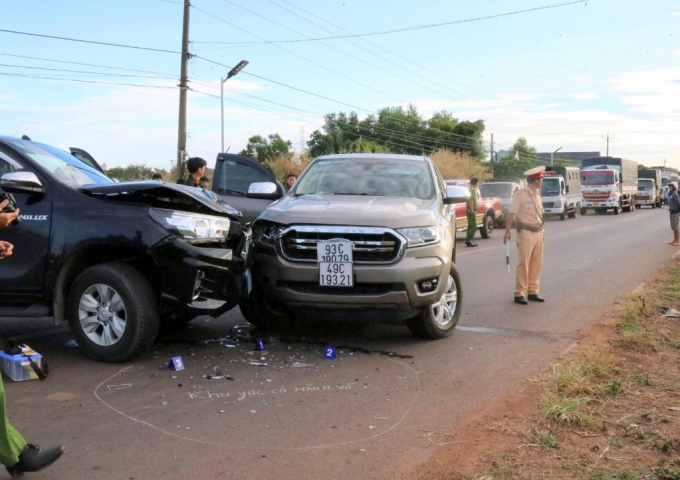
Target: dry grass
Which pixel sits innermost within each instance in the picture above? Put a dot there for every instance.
(458, 165)
(609, 412)
(288, 164)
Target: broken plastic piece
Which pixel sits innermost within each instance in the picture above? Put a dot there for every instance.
(671, 312)
(71, 344)
(301, 365)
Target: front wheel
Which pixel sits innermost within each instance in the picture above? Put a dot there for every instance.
(440, 319)
(584, 211)
(487, 227)
(112, 312)
(563, 215)
(262, 310)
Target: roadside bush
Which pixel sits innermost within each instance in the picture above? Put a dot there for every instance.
(459, 165)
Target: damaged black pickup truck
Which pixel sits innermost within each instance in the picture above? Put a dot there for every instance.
(115, 260)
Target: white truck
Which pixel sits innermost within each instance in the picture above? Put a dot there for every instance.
(649, 188)
(561, 191)
(608, 183)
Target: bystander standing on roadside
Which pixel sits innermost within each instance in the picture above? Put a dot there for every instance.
(17, 455)
(196, 167)
(157, 176)
(674, 209)
(471, 213)
(204, 182)
(526, 211)
(665, 196)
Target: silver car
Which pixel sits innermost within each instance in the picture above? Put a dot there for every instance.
(360, 236)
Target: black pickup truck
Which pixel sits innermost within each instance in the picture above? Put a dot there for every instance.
(115, 260)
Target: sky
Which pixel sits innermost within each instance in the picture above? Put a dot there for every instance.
(559, 73)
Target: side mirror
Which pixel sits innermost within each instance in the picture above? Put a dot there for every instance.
(456, 194)
(264, 191)
(21, 182)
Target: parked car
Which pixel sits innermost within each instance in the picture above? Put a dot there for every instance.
(360, 236)
(114, 260)
(489, 211)
(503, 190)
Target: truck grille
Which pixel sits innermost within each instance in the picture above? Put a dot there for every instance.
(595, 197)
(370, 245)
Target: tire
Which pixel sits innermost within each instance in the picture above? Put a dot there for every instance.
(653, 205)
(113, 334)
(434, 321)
(617, 209)
(487, 227)
(583, 211)
(563, 215)
(261, 310)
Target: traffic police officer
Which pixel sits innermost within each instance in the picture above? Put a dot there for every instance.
(526, 210)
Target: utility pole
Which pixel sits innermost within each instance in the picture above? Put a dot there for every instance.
(608, 138)
(182, 130)
(491, 156)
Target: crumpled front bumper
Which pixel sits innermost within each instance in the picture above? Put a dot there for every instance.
(200, 280)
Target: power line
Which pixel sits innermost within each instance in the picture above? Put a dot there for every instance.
(39, 77)
(89, 41)
(406, 29)
(84, 64)
(297, 55)
(86, 72)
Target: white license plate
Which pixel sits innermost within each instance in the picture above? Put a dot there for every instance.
(596, 204)
(335, 259)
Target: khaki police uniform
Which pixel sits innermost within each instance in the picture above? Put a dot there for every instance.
(528, 209)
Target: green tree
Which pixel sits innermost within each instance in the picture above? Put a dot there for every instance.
(265, 149)
(523, 150)
(398, 130)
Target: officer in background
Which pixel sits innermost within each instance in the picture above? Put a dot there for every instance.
(526, 210)
(471, 212)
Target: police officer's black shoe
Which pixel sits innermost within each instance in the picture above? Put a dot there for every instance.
(535, 297)
(521, 300)
(470, 244)
(34, 459)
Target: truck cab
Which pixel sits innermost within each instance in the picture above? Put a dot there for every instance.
(561, 192)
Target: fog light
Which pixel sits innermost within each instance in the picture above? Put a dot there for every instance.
(428, 285)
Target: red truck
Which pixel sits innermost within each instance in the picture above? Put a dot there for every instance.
(489, 211)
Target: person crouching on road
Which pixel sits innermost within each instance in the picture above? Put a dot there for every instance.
(471, 213)
(526, 210)
(674, 208)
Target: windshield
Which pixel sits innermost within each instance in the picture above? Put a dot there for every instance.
(644, 184)
(62, 166)
(550, 187)
(503, 190)
(597, 178)
(367, 176)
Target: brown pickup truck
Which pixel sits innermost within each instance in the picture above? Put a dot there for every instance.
(489, 211)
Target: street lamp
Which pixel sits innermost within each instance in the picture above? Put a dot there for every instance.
(231, 73)
(552, 154)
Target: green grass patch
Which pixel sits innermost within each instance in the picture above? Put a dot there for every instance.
(569, 411)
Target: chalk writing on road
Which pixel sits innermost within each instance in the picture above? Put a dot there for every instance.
(241, 395)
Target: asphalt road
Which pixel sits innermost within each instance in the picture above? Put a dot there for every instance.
(356, 417)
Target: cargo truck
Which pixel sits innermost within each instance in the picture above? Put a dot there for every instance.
(561, 191)
(668, 176)
(608, 183)
(649, 188)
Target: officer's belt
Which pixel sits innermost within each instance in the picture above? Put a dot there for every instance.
(531, 228)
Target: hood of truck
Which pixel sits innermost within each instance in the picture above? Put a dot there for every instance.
(164, 195)
(359, 210)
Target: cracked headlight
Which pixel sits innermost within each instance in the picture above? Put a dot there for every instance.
(191, 226)
(420, 235)
(267, 232)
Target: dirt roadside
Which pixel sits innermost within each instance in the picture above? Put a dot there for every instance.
(608, 408)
